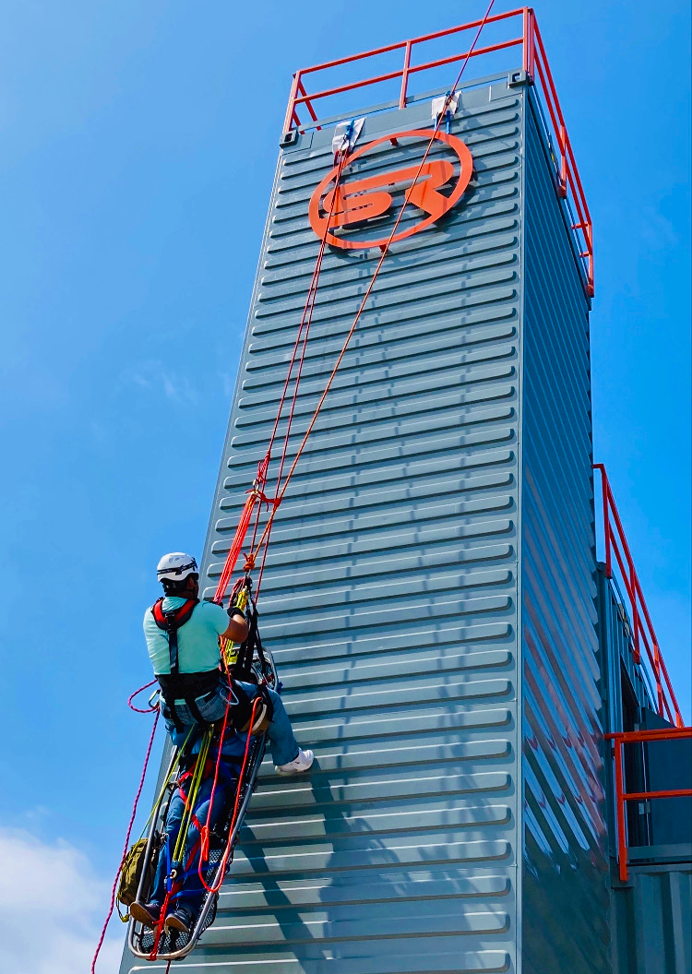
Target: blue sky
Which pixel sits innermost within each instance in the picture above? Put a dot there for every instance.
(140, 141)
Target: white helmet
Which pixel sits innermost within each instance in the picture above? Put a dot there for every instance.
(176, 566)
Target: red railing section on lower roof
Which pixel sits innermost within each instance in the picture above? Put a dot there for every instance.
(534, 63)
(620, 739)
(643, 632)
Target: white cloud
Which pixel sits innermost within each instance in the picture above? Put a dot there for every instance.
(52, 906)
(154, 378)
(657, 230)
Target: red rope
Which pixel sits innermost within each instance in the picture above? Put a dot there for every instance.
(300, 343)
(307, 319)
(127, 845)
(264, 539)
(204, 832)
(205, 840)
(149, 710)
(236, 545)
(159, 926)
(307, 315)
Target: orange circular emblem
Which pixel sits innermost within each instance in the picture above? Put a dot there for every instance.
(357, 202)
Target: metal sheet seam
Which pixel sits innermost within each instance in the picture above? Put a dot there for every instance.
(521, 783)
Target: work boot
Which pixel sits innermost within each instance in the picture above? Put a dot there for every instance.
(180, 919)
(301, 763)
(146, 913)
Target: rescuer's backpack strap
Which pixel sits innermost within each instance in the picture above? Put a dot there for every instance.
(170, 621)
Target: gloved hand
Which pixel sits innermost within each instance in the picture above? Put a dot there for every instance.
(234, 610)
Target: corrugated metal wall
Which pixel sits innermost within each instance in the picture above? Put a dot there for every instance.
(565, 897)
(652, 927)
(390, 595)
(391, 600)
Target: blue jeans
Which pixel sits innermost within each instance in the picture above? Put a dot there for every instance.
(192, 892)
(212, 706)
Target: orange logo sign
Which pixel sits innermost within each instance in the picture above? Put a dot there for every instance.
(363, 199)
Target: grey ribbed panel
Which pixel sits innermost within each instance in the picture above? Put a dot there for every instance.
(390, 597)
(565, 899)
(652, 928)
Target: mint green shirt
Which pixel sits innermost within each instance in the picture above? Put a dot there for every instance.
(198, 639)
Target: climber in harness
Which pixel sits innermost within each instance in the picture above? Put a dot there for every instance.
(182, 635)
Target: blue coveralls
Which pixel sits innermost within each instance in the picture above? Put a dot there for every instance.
(192, 892)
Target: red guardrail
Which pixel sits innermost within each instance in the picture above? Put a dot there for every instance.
(642, 627)
(534, 63)
(621, 796)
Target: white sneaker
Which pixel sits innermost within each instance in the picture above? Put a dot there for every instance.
(302, 763)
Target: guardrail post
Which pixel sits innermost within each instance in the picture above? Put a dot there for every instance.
(528, 48)
(563, 162)
(404, 76)
(292, 102)
(632, 581)
(659, 684)
(620, 812)
(605, 499)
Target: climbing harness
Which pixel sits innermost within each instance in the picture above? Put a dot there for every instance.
(188, 687)
(180, 686)
(215, 847)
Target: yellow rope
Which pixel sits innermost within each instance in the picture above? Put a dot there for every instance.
(174, 768)
(192, 793)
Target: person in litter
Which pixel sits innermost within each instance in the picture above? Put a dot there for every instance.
(188, 891)
(182, 637)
